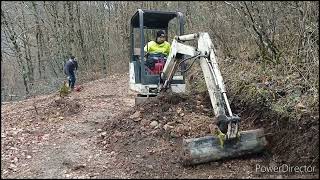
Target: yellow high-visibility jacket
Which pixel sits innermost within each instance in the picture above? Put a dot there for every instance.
(154, 48)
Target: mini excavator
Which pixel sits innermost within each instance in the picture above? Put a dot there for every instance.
(227, 141)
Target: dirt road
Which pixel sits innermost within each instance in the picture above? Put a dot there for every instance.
(97, 133)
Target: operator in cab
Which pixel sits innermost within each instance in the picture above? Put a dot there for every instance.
(157, 50)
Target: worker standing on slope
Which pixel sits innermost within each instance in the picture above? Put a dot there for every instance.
(69, 69)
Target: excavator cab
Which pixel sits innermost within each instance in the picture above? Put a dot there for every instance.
(144, 79)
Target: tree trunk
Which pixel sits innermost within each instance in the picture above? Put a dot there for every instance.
(39, 39)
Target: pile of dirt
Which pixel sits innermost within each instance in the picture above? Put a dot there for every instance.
(64, 106)
(155, 129)
(175, 115)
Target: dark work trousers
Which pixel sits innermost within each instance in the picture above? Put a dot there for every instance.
(72, 80)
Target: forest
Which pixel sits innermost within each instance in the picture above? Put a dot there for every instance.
(37, 37)
(268, 55)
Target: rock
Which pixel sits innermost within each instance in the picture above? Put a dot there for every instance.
(28, 157)
(135, 171)
(153, 124)
(150, 166)
(155, 132)
(112, 153)
(179, 110)
(167, 127)
(151, 151)
(198, 97)
(159, 126)
(61, 118)
(144, 122)
(99, 130)
(117, 134)
(173, 134)
(181, 130)
(103, 134)
(12, 166)
(142, 129)
(137, 114)
(45, 137)
(77, 167)
(137, 119)
(171, 123)
(182, 114)
(206, 110)
(57, 99)
(300, 106)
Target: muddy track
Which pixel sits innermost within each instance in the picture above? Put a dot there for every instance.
(98, 133)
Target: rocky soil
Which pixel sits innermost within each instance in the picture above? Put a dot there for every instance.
(99, 133)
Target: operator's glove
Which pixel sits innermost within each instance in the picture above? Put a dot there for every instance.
(69, 78)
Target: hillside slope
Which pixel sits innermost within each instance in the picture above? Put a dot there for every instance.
(98, 133)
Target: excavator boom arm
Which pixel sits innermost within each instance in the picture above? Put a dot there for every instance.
(214, 81)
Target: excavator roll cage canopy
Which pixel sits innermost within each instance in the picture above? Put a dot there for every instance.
(149, 19)
(155, 19)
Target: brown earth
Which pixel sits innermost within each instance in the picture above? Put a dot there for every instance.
(98, 133)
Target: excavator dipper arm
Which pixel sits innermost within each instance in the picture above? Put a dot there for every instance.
(228, 142)
(205, 53)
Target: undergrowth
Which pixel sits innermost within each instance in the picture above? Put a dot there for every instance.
(284, 102)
